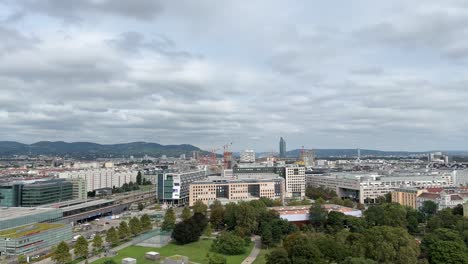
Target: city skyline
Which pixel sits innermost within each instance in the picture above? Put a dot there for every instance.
(373, 75)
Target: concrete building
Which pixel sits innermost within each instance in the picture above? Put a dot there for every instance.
(299, 215)
(101, 178)
(406, 196)
(226, 190)
(31, 193)
(295, 182)
(282, 148)
(26, 230)
(173, 187)
(444, 199)
(247, 156)
(366, 188)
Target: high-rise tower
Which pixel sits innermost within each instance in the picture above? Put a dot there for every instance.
(282, 148)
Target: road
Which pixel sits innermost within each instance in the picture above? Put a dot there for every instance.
(255, 251)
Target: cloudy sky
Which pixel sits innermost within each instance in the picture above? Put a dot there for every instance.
(388, 75)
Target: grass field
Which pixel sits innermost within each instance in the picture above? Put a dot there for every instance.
(195, 251)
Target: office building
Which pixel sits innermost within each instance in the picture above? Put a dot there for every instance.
(282, 148)
(174, 187)
(26, 230)
(247, 156)
(80, 190)
(226, 190)
(33, 193)
(295, 182)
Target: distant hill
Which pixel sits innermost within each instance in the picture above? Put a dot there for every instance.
(368, 152)
(94, 150)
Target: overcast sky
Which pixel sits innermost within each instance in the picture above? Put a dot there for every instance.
(388, 75)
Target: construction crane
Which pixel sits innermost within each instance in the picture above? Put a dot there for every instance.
(227, 156)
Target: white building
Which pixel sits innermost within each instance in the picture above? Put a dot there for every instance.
(101, 178)
(295, 182)
(247, 156)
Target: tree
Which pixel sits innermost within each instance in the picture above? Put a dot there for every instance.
(278, 256)
(97, 242)
(246, 218)
(266, 234)
(112, 236)
(429, 209)
(140, 207)
(185, 232)
(200, 207)
(61, 254)
(216, 259)
(217, 215)
(208, 230)
(302, 249)
(109, 261)
(386, 244)
(146, 222)
(139, 178)
(458, 210)
(390, 214)
(186, 213)
(135, 226)
(124, 231)
(81, 247)
(169, 220)
(360, 260)
(22, 259)
(318, 216)
(444, 246)
(229, 244)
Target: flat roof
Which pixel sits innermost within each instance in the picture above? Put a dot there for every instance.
(21, 231)
(8, 213)
(87, 204)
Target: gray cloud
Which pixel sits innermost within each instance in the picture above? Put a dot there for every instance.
(207, 74)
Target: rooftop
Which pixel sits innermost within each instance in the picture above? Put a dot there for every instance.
(22, 231)
(18, 212)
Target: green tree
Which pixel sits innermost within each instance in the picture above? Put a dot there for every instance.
(246, 218)
(146, 222)
(169, 220)
(266, 234)
(386, 244)
(140, 207)
(360, 260)
(390, 214)
(61, 254)
(208, 230)
(429, 209)
(81, 247)
(216, 259)
(112, 236)
(109, 261)
(317, 215)
(335, 221)
(135, 226)
(458, 210)
(444, 246)
(124, 231)
(22, 259)
(200, 207)
(229, 244)
(186, 213)
(302, 249)
(97, 242)
(278, 256)
(139, 179)
(217, 215)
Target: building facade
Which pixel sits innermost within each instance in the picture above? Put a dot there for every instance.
(226, 190)
(295, 182)
(101, 178)
(174, 187)
(80, 188)
(35, 192)
(282, 148)
(406, 196)
(247, 156)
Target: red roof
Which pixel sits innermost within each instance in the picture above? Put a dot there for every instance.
(455, 197)
(430, 196)
(435, 189)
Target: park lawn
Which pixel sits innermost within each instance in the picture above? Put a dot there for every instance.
(261, 258)
(196, 252)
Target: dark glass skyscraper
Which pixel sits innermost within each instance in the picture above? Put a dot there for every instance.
(282, 148)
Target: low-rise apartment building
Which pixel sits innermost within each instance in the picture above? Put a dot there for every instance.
(102, 178)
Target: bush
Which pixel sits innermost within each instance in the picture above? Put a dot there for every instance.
(229, 244)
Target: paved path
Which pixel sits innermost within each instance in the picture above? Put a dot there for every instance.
(255, 250)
